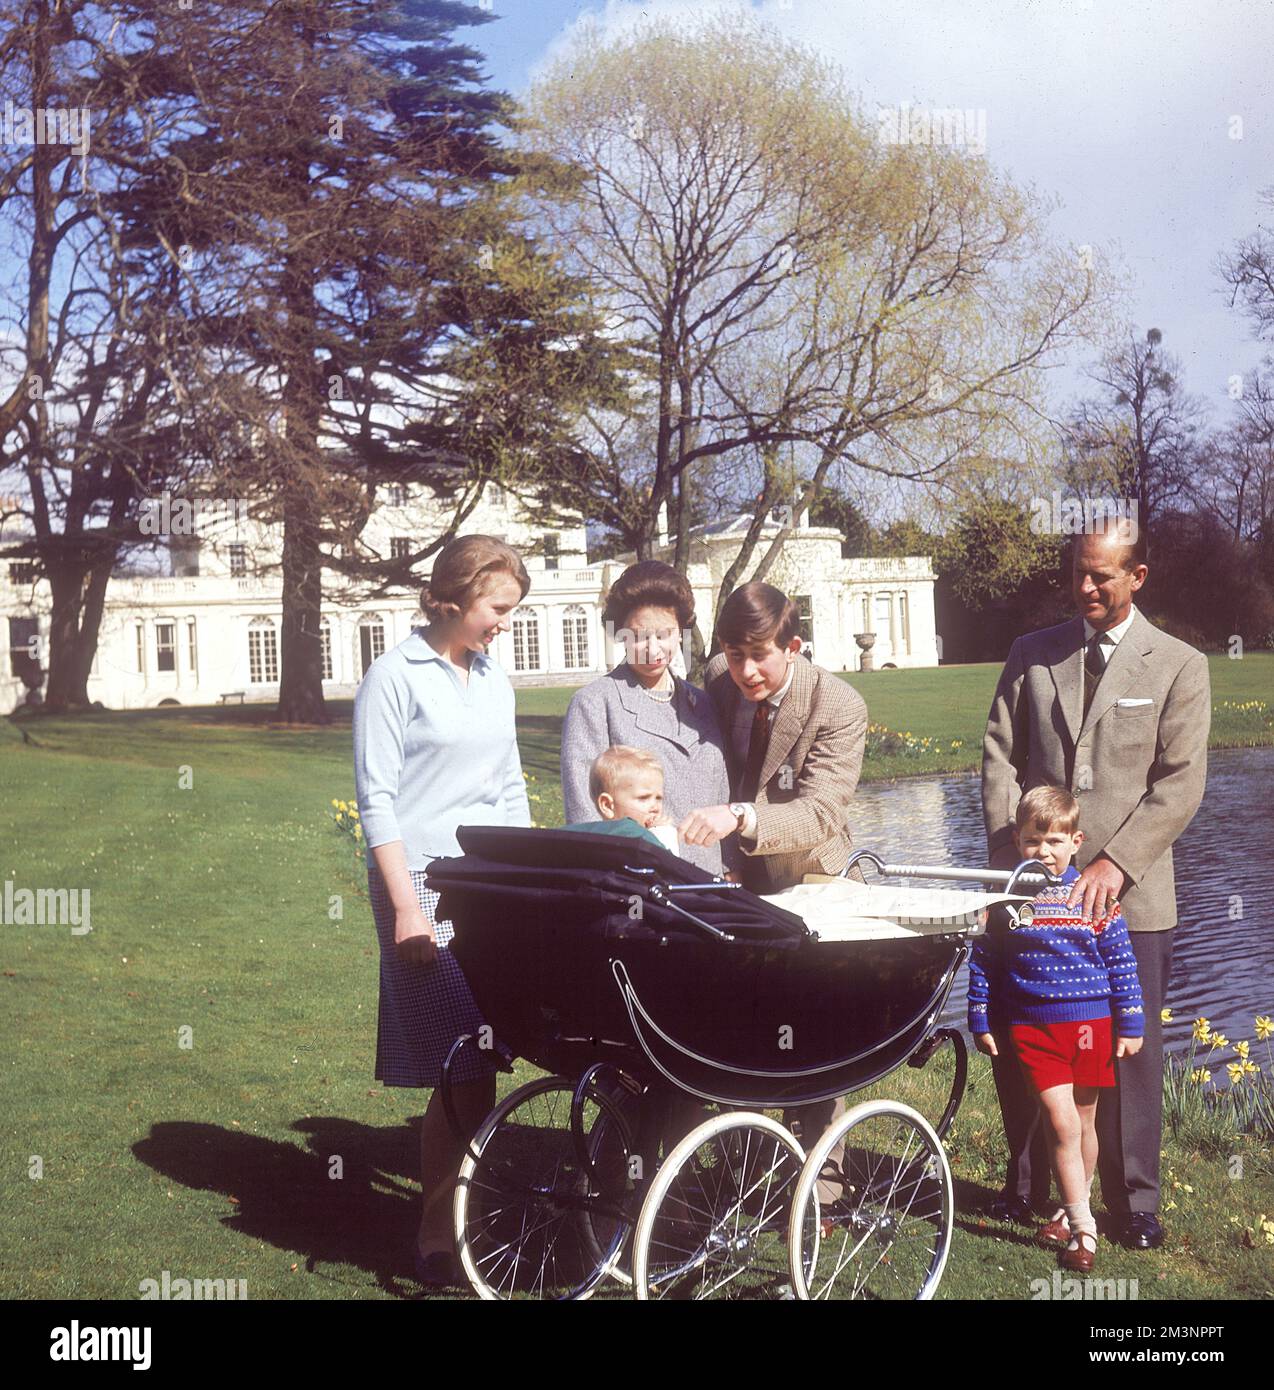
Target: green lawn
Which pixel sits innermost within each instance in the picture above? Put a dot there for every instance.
(231, 907)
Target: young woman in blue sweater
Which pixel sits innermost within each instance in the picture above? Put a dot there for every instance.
(1054, 987)
(435, 748)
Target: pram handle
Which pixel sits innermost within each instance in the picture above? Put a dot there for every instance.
(1030, 874)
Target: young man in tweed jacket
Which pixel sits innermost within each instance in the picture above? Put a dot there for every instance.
(794, 737)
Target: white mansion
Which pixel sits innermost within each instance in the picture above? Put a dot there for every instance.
(209, 630)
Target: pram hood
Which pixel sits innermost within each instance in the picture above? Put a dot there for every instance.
(514, 862)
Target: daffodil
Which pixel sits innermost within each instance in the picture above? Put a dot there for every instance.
(1236, 1072)
(1264, 1027)
(1218, 1040)
(1165, 1015)
(1202, 1028)
(1242, 1048)
(1200, 1076)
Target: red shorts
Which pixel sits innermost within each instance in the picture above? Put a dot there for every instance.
(1065, 1054)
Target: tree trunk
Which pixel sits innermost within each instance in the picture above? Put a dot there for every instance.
(68, 667)
(301, 653)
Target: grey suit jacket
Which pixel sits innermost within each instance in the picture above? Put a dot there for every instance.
(808, 777)
(1138, 770)
(614, 709)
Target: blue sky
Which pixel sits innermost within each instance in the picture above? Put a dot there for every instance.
(1123, 109)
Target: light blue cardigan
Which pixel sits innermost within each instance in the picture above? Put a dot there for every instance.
(431, 754)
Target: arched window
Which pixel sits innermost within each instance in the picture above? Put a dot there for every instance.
(371, 639)
(263, 652)
(325, 646)
(575, 637)
(526, 640)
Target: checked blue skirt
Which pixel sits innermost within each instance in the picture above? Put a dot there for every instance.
(423, 1008)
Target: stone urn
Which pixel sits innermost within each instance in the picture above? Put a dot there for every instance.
(866, 641)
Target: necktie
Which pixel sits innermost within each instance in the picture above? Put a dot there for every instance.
(1094, 669)
(758, 742)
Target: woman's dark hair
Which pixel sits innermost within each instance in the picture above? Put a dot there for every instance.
(649, 584)
(757, 613)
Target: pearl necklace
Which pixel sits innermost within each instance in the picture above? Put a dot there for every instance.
(661, 697)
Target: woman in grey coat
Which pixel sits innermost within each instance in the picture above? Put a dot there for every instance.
(641, 704)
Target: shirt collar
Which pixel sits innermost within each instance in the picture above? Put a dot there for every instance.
(773, 700)
(416, 648)
(1113, 633)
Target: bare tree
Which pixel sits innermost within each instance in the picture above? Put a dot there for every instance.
(1142, 436)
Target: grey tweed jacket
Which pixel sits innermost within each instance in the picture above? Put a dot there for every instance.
(683, 733)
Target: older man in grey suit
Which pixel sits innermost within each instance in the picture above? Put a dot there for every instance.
(1118, 712)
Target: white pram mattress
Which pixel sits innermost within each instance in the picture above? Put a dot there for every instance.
(842, 909)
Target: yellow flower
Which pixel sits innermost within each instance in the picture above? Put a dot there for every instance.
(1165, 1015)
(1250, 1068)
(1218, 1040)
(1242, 1048)
(1201, 1030)
(1236, 1071)
(335, 802)
(1264, 1027)
(1200, 1076)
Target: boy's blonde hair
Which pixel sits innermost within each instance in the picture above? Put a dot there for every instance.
(1048, 808)
(617, 762)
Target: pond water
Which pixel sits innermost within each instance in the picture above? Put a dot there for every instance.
(1223, 960)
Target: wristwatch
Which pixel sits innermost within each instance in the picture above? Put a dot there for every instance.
(739, 811)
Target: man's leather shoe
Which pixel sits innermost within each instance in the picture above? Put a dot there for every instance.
(1142, 1231)
(1011, 1208)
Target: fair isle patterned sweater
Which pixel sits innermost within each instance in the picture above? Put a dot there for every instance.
(1063, 968)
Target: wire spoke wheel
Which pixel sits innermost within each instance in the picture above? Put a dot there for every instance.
(532, 1222)
(714, 1222)
(887, 1231)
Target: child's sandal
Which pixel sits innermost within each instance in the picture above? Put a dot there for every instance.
(1056, 1231)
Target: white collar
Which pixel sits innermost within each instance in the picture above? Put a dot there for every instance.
(773, 700)
(1113, 633)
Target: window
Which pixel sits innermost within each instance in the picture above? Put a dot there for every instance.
(526, 640)
(396, 495)
(866, 614)
(165, 646)
(904, 622)
(22, 572)
(141, 649)
(551, 550)
(883, 609)
(263, 652)
(806, 609)
(238, 560)
(183, 554)
(191, 649)
(325, 645)
(575, 637)
(371, 640)
(24, 646)
(496, 493)
(399, 548)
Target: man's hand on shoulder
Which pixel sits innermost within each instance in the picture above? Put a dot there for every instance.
(1098, 886)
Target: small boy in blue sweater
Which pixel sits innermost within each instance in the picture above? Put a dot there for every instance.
(1055, 985)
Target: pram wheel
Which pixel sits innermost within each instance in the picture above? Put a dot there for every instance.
(531, 1222)
(713, 1223)
(888, 1235)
